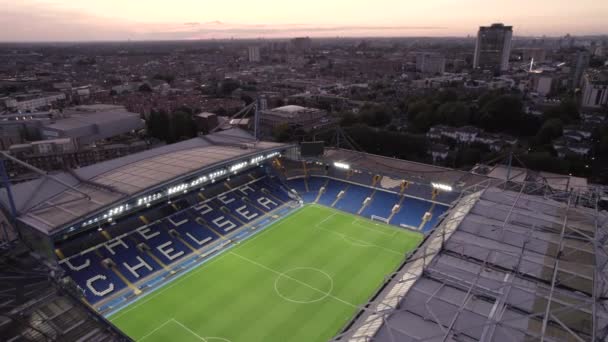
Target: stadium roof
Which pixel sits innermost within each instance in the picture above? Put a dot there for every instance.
(502, 266)
(399, 167)
(48, 205)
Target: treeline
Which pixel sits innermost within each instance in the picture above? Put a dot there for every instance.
(176, 126)
(495, 111)
(389, 143)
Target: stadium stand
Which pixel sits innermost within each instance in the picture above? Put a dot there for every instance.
(508, 263)
(381, 202)
(173, 232)
(37, 308)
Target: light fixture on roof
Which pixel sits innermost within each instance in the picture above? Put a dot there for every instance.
(342, 165)
(442, 187)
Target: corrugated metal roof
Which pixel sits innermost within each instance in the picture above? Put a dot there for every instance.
(518, 267)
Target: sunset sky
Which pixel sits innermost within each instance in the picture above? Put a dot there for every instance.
(69, 20)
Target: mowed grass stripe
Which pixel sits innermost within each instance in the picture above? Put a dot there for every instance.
(235, 295)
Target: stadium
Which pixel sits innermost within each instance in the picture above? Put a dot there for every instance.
(226, 238)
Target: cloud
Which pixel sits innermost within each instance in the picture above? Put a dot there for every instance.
(32, 21)
(269, 31)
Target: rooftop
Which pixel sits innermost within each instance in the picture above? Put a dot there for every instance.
(502, 266)
(47, 205)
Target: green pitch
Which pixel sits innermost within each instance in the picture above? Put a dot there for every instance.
(299, 280)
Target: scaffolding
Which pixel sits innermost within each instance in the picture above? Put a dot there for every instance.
(516, 262)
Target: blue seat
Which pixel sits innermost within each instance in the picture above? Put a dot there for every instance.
(96, 281)
(332, 190)
(131, 263)
(162, 245)
(190, 230)
(411, 212)
(381, 205)
(438, 210)
(353, 199)
(215, 218)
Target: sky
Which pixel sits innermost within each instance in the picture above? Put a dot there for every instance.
(85, 20)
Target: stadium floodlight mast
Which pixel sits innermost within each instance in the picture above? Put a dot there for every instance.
(443, 187)
(342, 165)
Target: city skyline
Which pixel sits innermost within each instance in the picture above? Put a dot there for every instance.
(95, 20)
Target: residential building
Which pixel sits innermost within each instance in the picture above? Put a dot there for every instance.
(493, 47)
(254, 54)
(581, 63)
(32, 102)
(301, 44)
(595, 89)
(430, 63)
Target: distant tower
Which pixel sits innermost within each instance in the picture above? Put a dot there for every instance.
(254, 54)
(493, 47)
(581, 64)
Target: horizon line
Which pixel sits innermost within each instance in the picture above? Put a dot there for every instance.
(469, 36)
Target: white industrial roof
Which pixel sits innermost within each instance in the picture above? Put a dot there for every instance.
(290, 109)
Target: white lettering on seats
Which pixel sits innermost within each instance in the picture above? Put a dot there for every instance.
(166, 250)
(146, 232)
(84, 265)
(203, 208)
(224, 223)
(246, 189)
(177, 223)
(113, 244)
(265, 202)
(134, 268)
(248, 215)
(99, 293)
(199, 242)
(225, 199)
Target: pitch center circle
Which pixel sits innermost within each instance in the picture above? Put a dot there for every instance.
(312, 279)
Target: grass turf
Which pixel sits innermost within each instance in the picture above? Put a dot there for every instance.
(299, 280)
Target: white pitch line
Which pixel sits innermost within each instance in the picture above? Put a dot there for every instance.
(200, 268)
(189, 330)
(369, 244)
(326, 219)
(155, 330)
(294, 279)
(356, 222)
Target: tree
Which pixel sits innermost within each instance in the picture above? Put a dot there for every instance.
(183, 126)
(544, 161)
(164, 77)
(158, 125)
(453, 113)
(506, 113)
(145, 88)
(551, 129)
(228, 86)
(566, 111)
(280, 133)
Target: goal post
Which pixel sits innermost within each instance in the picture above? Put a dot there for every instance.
(379, 218)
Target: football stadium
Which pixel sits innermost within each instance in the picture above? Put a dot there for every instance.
(223, 238)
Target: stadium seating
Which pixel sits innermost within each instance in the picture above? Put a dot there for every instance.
(152, 240)
(174, 230)
(353, 199)
(92, 278)
(381, 205)
(382, 202)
